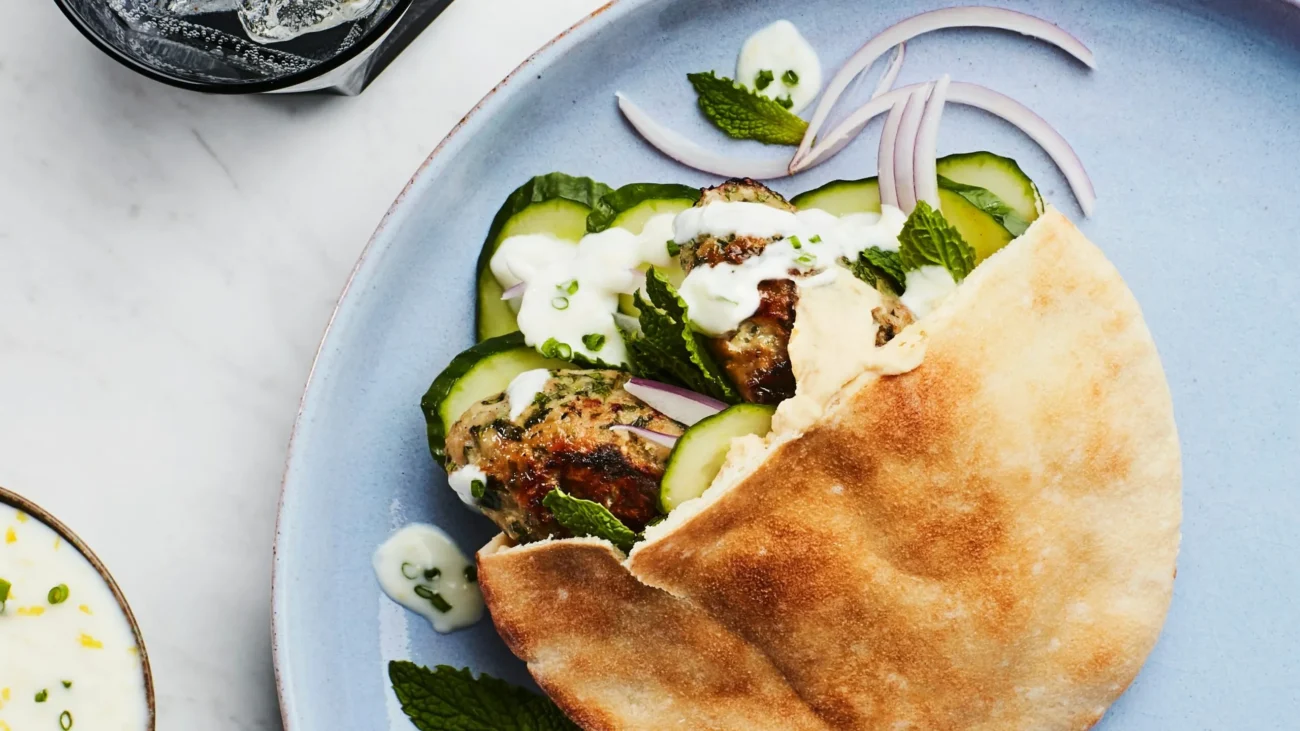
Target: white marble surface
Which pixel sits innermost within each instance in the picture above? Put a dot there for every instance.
(168, 262)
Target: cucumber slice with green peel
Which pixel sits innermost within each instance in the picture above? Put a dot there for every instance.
(982, 231)
(841, 197)
(999, 175)
(632, 205)
(555, 204)
(698, 456)
(979, 229)
(476, 374)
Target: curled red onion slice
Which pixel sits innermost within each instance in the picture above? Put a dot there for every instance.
(845, 133)
(976, 17)
(693, 155)
(885, 156)
(676, 403)
(925, 177)
(888, 78)
(995, 103)
(663, 440)
(514, 292)
(905, 146)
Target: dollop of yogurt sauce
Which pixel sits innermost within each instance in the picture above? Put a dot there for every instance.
(421, 568)
(778, 62)
(68, 655)
(571, 290)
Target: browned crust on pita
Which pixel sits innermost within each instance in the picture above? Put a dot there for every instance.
(986, 542)
(616, 654)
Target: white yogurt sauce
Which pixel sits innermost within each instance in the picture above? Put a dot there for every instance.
(779, 49)
(422, 569)
(927, 288)
(84, 640)
(571, 290)
(523, 390)
(719, 297)
(462, 481)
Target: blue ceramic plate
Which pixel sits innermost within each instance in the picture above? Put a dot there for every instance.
(1191, 130)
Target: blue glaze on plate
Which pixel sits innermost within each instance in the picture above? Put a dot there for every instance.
(1191, 130)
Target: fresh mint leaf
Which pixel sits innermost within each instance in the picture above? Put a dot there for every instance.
(666, 324)
(928, 238)
(447, 699)
(987, 201)
(876, 266)
(745, 114)
(587, 518)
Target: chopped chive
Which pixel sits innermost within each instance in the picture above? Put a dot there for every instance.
(4, 593)
(816, 239)
(433, 598)
(795, 242)
(560, 303)
(790, 78)
(785, 101)
(477, 488)
(432, 574)
(65, 721)
(550, 348)
(414, 576)
(764, 79)
(570, 286)
(67, 683)
(594, 341)
(471, 573)
(674, 248)
(564, 351)
(807, 260)
(41, 696)
(58, 594)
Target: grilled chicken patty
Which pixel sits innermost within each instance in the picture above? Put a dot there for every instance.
(756, 355)
(563, 440)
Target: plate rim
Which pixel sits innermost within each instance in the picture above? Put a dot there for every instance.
(549, 49)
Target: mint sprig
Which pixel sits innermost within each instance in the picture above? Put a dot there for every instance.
(667, 349)
(875, 266)
(745, 114)
(585, 518)
(927, 238)
(447, 699)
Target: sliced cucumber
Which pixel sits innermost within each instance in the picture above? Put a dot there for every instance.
(557, 204)
(989, 203)
(999, 175)
(632, 205)
(699, 453)
(840, 197)
(476, 374)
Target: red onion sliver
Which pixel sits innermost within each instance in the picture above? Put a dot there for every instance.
(663, 440)
(888, 78)
(925, 177)
(885, 156)
(514, 292)
(693, 155)
(995, 103)
(676, 403)
(845, 133)
(905, 145)
(977, 17)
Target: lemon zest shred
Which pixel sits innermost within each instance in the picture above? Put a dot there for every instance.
(22, 517)
(31, 611)
(10, 535)
(58, 541)
(91, 642)
(85, 609)
(4, 694)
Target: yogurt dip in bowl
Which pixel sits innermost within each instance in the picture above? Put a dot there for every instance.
(72, 655)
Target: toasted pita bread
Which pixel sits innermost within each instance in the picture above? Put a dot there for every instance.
(984, 542)
(616, 654)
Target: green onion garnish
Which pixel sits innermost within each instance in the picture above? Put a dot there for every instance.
(785, 101)
(763, 79)
(65, 721)
(795, 242)
(432, 574)
(4, 593)
(406, 566)
(570, 287)
(67, 683)
(553, 348)
(41, 696)
(816, 239)
(433, 597)
(790, 78)
(564, 351)
(594, 341)
(674, 248)
(477, 488)
(471, 573)
(560, 303)
(58, 594)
